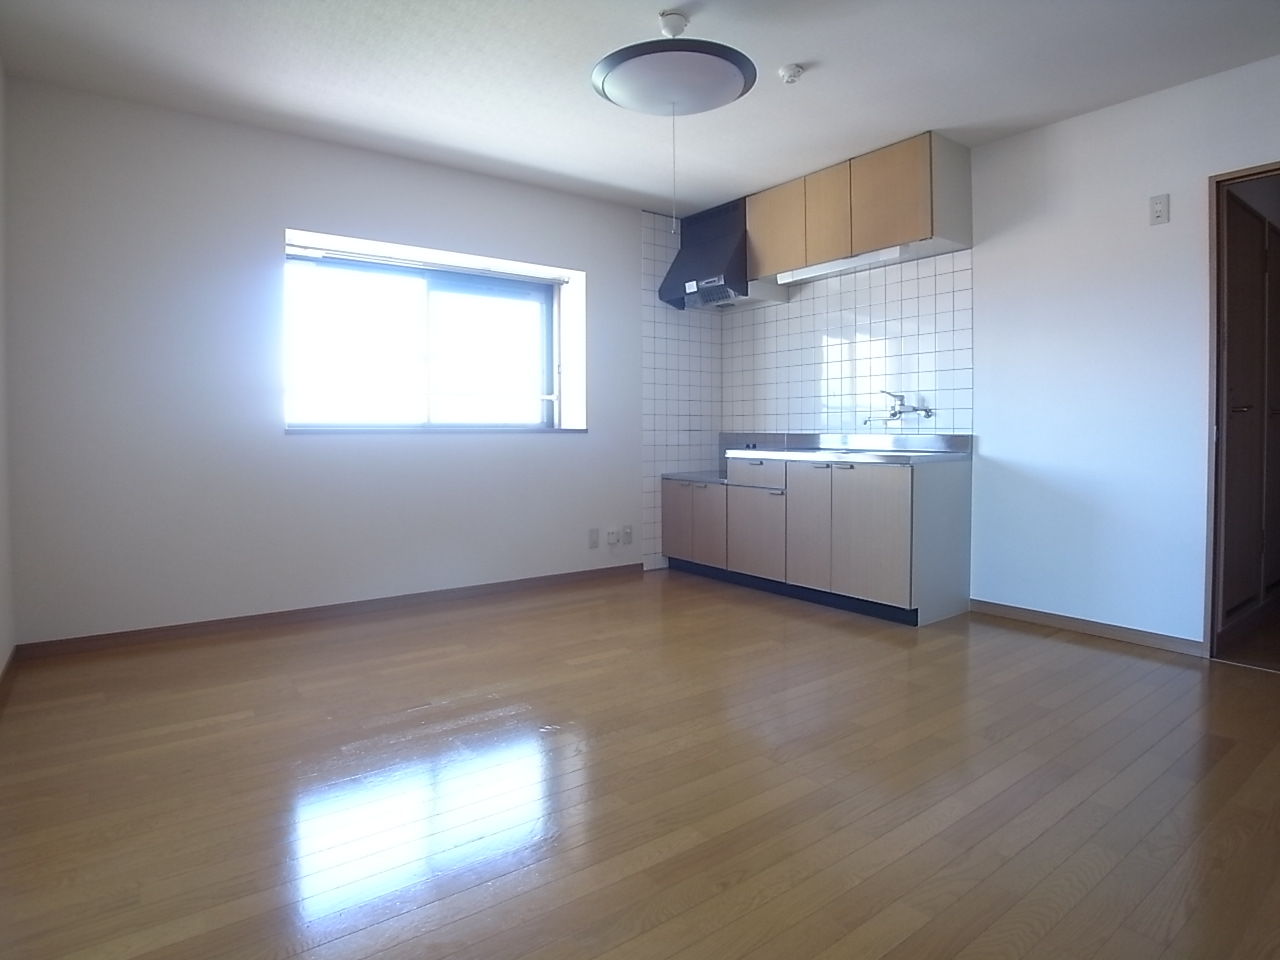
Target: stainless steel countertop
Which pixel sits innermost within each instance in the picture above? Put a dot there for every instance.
(901, 457)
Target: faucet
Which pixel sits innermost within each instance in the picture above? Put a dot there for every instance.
(900, 406)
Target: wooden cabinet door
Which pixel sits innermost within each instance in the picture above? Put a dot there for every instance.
(758, 473)
(809, 524)
(709, 517)
(827, 229)
(891, 195)
(775, 230)
(677, 519)
(757, 541)
(871, 532)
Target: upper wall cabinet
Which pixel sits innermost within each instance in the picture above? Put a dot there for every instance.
(775, 230)
(902, 202)
(827, 215)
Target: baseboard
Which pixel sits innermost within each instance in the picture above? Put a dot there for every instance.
(336, 611)
(1110, 631)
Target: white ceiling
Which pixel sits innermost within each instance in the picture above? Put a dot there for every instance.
(503, 86)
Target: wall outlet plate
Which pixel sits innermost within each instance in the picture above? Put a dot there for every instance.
(1160, 209)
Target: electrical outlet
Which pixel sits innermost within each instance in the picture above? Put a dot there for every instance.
(626, 534)
(613, 537)
(593, 538)
(1160, 209)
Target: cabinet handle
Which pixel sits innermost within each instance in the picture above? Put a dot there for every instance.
(844, 466)
(701, 486)
(1244, 409)
(820, 466)
(777, 493)
(683, 483)
(755, 463)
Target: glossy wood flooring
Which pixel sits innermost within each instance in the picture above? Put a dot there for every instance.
(648, 767)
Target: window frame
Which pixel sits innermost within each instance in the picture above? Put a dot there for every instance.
(463, 272)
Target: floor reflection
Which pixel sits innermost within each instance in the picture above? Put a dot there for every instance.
(360, 840)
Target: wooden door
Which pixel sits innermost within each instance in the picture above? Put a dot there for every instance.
(775, 230)
(758, 532)
(677, 519)
(809, 524)
(871, 532)
(709, 524)
(1271, 478)
(1243, 396)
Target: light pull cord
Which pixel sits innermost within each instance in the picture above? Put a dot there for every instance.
(674, 222)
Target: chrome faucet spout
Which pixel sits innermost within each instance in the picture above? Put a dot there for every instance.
(900, 406)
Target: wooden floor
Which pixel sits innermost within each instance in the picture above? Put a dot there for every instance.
(649, 767)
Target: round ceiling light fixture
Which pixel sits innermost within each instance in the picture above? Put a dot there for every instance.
(672, 77)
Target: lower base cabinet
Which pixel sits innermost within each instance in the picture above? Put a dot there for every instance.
(871, 532)
(893, 534)
(758, 532)
(709, 523)
(809, 524)
(694, 521)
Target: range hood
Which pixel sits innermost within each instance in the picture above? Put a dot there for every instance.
(710, 270)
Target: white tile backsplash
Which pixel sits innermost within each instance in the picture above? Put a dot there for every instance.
(817, 363)
(680, 383)
(813, 365)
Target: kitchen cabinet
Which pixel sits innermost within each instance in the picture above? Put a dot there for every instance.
(914, 191)
(693, 521)
(809, 524)
(871, 540)
(709, 524)
(828, 231)
(896, 534)
(677, 519)
(764, 472)
(757, 531)
(776, 230)
(914, 195)
(891, 195)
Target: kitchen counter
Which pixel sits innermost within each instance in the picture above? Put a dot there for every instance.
(907, 457)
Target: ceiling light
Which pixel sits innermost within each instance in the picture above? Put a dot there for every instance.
(672, 77)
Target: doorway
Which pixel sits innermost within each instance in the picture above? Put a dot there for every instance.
(1246, 557)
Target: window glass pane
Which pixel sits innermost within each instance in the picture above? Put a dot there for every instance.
(377, 344)
(486, 358)
(354, 345)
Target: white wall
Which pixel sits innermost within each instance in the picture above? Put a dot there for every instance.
(152, 482)
(6, 566)
(1092, 352)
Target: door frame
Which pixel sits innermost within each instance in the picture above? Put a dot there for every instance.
(1217, 384)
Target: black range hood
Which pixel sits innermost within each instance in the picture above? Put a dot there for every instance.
(710, 270)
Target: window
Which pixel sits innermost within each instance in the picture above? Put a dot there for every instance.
(382, 336)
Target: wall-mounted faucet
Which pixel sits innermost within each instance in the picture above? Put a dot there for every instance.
(900, 406)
